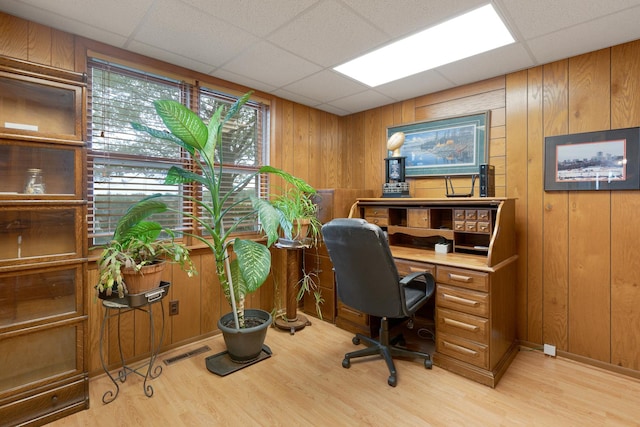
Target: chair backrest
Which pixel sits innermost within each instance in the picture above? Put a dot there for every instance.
(366, 274)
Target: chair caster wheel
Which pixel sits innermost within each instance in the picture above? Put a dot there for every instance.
(355, 340)
(392, 381)
(428, 363)
(346, 363)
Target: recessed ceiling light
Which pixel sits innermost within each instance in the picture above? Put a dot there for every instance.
(470, 34)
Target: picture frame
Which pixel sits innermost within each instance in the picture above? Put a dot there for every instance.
(602, 160)
(445, 147)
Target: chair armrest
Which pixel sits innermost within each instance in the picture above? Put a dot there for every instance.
(429, 282)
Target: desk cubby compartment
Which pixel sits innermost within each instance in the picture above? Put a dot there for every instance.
(39, 232)
(441, 218)
(30, 297)
(40, 106)
(472, 243)
(57, 166)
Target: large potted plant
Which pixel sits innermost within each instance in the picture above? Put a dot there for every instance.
(134, 258)
(248, 269)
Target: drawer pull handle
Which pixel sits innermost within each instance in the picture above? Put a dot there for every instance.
(461, 325)
(459, 300)
(460, 349)
(375, 221)
(460, 278)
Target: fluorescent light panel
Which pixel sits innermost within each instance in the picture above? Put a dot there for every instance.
(470, 34)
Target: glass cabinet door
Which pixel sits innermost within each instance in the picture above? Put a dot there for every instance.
(39, 171)
(33, 295)
(40, 108)
(48, 353)
(39, 233)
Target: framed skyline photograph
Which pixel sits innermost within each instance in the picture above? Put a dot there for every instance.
(451, 146)
(604, 160)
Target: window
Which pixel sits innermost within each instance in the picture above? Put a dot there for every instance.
(125, 165)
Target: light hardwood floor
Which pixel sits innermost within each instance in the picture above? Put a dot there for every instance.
(304, 384)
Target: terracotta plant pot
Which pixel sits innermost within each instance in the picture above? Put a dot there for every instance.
(146, 279)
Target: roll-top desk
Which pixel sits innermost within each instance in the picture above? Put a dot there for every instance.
(475, 302)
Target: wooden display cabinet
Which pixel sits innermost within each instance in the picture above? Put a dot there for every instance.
(43, 255)
(475, 282)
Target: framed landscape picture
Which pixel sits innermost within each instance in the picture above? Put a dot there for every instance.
(604, 160)
(451, 146)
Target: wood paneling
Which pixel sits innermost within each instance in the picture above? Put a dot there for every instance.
(589, 215)
(516, 103)
(625, 205)
(27, 40)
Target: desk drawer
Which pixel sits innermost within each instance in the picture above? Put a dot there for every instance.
(462, 325)
(377, 216)
(463, 300)
(407, 267)
(461, 349)
(469, 279)
(352, 315)
(43, 403)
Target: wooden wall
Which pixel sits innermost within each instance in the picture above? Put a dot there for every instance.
(578, 279)
(371, 127)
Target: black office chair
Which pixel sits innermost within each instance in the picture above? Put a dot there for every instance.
(367, 280)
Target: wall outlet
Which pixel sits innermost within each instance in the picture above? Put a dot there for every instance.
(174, 308)
(550, 350)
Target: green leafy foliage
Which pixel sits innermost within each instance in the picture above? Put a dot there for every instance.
(252, 262)
(136, 243)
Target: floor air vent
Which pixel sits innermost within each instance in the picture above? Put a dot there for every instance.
(186, 355)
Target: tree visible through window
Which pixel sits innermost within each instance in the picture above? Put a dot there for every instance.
(125, 165)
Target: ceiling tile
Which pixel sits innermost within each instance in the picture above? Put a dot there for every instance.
(328, 35)
(242, 80)
(333, 110)
(403, 17)
(325, 86)
(296, 97)
(535, 18)
(425, 82)
(489, 64)
(361, 101)
(189, 32)
(257, 17)
(598, 34)
(170, 57)
(115, 16)
(267, 63)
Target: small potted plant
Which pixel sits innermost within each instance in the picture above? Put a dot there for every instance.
(133, 260)
(300, 225)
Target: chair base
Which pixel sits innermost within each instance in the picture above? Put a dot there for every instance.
(387, 349)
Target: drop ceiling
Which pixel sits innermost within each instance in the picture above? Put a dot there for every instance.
(289, 47)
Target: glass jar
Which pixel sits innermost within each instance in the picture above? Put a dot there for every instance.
(35, 184)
